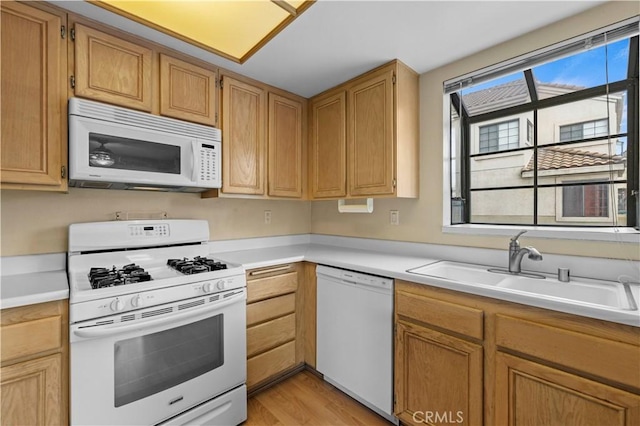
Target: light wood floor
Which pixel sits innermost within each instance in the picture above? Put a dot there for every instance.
(305, 399)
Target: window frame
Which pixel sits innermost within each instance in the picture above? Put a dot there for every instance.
(603, 233)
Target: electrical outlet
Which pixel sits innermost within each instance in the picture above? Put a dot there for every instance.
(267, 217)
(394, 217)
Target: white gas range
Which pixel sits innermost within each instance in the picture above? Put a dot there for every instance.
(157, 327)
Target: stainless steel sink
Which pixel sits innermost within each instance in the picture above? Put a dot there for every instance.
(607, 294)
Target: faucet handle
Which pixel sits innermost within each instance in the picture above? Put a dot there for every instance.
(515, 238)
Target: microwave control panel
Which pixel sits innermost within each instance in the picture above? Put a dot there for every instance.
(209, 171)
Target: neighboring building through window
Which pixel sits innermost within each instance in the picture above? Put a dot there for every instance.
(499, 136)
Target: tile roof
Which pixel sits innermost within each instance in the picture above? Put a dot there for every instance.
(563, 158)
(508, 94)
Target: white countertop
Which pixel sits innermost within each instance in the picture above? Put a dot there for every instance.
(396, 266)
(28, 289)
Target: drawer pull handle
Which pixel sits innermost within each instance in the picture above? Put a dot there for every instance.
(268, 271)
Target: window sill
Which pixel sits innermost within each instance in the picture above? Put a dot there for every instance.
(620, 235)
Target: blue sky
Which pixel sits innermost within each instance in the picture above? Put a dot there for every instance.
(586, 69)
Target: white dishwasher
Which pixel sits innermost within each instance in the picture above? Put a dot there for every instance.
(355, 336)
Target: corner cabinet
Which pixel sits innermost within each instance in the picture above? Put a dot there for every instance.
(262, 140)
(33, 107)
(364, 136)
(285, 146)
(328, 145)
(34, 373)
(111, 69)
(474, 360)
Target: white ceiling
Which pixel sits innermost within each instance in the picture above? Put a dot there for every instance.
(334, 41)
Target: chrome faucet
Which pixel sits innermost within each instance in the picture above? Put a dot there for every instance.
(516, 254)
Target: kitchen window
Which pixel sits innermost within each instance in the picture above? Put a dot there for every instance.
(576, 155)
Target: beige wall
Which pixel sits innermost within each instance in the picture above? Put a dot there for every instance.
(36, 222)
(421, 219)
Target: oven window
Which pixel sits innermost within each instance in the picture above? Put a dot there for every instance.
(114, 152)
(149, 364)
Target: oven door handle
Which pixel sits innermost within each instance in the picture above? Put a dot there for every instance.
(103, 331)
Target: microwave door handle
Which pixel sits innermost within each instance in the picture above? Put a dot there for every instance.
(195, 163)
(96, 332)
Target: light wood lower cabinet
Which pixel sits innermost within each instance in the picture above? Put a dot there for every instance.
(532, 394)
(33, 373)
(473, 360)
(274, 327)
(438, 364)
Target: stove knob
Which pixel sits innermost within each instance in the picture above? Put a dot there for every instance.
(208, 287)
(137, 301)
(220, 285)
(117, 305)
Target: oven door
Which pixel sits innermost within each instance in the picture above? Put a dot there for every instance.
(161, 363)
(105, 151)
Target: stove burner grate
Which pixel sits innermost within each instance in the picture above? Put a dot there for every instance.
(197, 265)
(128, 274)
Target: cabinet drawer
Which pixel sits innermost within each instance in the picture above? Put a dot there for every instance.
(271, 308)
(448, 316)
(270, 334)
(264, 288)
(31, 337)
(571, 349)
(270, 363)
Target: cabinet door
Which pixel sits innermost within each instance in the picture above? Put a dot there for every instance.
(33, 112)
(285, 147)
(243, 138)
(524, 390)
(187, 91)
(113, 70)
(32, 392)
(328, 161)
(370, 136)
(438, 377)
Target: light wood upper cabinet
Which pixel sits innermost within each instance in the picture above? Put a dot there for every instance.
(328, 150)
(370, 129)
(33, 107)
(364, 136)
(285, 146)
(112, 70)
(243, 137)
(187, 91)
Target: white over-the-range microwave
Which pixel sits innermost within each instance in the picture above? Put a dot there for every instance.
(119, 148)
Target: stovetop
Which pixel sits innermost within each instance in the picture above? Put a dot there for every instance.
(112, 266)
